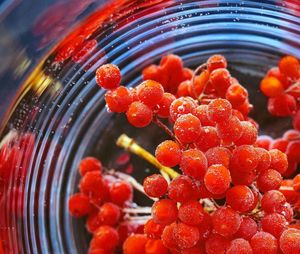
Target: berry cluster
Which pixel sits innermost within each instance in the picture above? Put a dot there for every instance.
(281, 86)
(230, 196)
(101, 198)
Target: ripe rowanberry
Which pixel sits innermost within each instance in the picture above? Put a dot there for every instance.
(108, 76)
(290, 67)
(208, 138)
(79, 205)
(191, 213)
(135, 243)
(120, 192)
(155, 185)
(139, 115)
(181, 189)
(226, 221)
(106, 238)
(219, 110)
(150, 93)
(263, 242)
(89, 164)
(240, 198)
(193, 163)
(187, 128)
(271, 87)
(119, 99)
(164, 211)
(217, 179)
(216, 62)
(290, 241)
(168, 153)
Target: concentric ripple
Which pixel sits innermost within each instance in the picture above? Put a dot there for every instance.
(63, 110)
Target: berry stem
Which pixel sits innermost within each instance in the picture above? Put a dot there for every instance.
(295, 85)
(129, 144)
(199, 70)
(137, 210)
(166, 129)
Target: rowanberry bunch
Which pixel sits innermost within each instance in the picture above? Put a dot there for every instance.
(229, 195)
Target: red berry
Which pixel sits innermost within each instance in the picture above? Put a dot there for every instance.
(109, 214)
(164, 211)
(106, 238)
(290, 241)
(220, 79)
(216, 244)
(182, 106)
(296, 183)
(244, 158)
(208, 138)
(168, 153)
(163, 107)
(153, 230)
(271, 87)
(282, 105)
(168, 237)
(242, 178)
(154, 246)
(217, 179)
(183, 89)
(181, 189)
(139, 115)
(230, 130)
(264, 243)
(236, 94)
(79, 205)
(187, 128)
(155, 185)
(226, 221)
(218, 155)
(279, 160)
(239, 246)
(191, 213)
(108, 76)
(150, 93)
(93, 222)
(200, 82)
(264, 159)
(269, 180)
(185, 236)
(274, 224)
(264, 141)
(249, 134)
(293, 151)
(219, 110)
(120, 192)
(216, 62)
(272, 201)
(205, 227)
(119, 99)
(247, 229)
(280, 144)
(89, 164)
(289, 66)
(135, 244)
(202, 113)
(194, 163)
(240, 198)
(91, 184)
